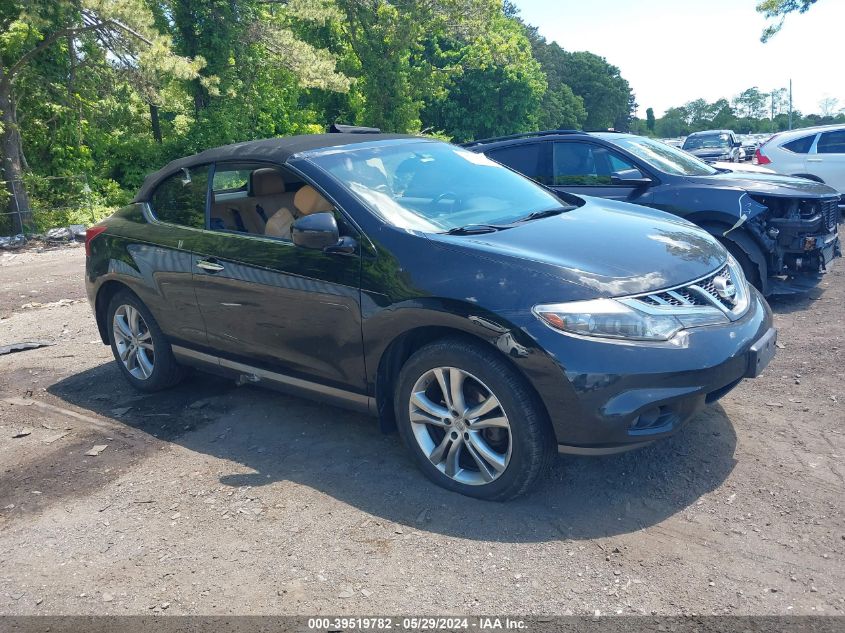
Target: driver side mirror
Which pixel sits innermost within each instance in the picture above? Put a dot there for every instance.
(316, 231)
(630, 177)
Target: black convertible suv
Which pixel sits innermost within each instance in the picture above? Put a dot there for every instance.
(492, 321)
(782, 230)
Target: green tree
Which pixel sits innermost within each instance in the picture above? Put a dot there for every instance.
(673, 123)
(774, 9)
(239, 38)
(388, 40)
(751, 103)
(494, 84)
(607, 96)
(562, 109)
(829, 107)
(30, 31)
(724, 118)
(650, 121)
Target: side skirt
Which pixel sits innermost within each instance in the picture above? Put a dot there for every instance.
(282, 382)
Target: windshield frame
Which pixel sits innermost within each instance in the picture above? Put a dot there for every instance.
(387, 207)
(625, 142)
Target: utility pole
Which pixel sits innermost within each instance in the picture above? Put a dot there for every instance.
(790, 103)
(773, 109)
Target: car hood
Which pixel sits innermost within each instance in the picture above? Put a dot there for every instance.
(607, 248)
(767, 184)
(742, 168)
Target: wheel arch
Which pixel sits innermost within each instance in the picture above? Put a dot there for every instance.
(713, 220)
(403, 346)
(105, 293)
(746, 243)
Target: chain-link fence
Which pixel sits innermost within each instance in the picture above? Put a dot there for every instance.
(36, 204)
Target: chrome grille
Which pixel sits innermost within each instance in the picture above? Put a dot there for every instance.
(830, 212)
(708, 285)
(702, 293)
(679, 297)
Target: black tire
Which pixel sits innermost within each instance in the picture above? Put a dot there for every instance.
(532, 440)
(749, 268)
(165, 371)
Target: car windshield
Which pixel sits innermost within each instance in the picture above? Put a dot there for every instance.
(664, 157)
(707, 141)
(434, 187)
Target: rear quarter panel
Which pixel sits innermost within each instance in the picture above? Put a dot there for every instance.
(154, 261)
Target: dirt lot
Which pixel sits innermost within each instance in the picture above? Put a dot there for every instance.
(216, 499)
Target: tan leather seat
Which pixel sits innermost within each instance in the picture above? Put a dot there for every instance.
(308, 200)
(279, 224)
(268, 192)
(237, 215)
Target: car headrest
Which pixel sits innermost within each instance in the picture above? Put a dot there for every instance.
(266, 182)
(308, 200)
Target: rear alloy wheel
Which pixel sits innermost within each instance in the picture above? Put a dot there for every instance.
(134, 342)
(471, 420)
(140, 348)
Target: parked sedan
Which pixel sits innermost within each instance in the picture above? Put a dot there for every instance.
(817, 153)
(783, 231)
(492, 321)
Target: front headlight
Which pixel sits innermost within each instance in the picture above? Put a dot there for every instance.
(716, 299)
(608, 318)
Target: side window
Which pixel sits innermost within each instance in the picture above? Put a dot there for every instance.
(526, 159)
(832, 143)
(585, 164)
(230, 180)
(617, 163)
(800, 145)
(254, 199)
(180, 198)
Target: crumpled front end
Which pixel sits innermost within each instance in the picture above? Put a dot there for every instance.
(799, 236)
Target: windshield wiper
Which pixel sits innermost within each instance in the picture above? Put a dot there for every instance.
(546, 213)
(474, 229)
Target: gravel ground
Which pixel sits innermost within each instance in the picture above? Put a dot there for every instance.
(217, 499)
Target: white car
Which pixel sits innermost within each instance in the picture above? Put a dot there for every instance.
(743, 167)
(817, 153)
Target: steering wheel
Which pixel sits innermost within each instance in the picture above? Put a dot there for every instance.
(446, 196)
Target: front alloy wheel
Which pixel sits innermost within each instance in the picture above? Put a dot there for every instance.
(471, 420)
(460, 426)
(134, 342)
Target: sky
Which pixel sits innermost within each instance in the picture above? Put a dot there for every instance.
(674, 51)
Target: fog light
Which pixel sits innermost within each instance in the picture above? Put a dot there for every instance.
(809, 243)
(647, 419)
(655, 418)
(773, 233)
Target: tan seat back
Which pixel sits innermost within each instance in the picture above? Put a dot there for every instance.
(308, 200)
(268, 191)
(279, 224)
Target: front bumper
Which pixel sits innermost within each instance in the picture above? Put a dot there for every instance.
(613, 396)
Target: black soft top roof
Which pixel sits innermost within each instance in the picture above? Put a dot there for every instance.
(276, 150)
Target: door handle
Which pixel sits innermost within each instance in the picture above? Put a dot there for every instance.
(210, 266)
(814, 160)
